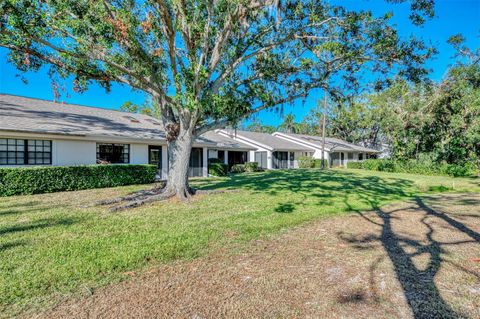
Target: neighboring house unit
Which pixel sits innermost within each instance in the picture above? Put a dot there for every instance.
(337, 151)
(270, 152)
(39, 132)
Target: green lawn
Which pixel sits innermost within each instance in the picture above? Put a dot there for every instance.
(53, 245)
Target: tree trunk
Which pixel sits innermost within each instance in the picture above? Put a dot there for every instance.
(179, 151)
(324, 118)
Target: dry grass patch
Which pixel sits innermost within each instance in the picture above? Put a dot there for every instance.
(412, 259)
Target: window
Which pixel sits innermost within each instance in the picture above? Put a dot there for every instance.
(25, 152)
(261, 159)
(360, 156)
(113, 153)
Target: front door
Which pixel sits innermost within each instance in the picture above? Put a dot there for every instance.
(155, 156)
(196, 162)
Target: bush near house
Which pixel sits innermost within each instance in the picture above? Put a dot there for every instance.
(310, 162)
(217, 169)
(251, 167)
(416, 167)
(238, 168)
(318, 163)
(37, 180)
(306, 162)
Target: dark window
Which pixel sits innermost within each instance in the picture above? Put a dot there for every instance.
(280, 160)
(350, 156)
(235, 157)
(113, 153)
(360, 156)
(23, 152)
(221, 156)
(292, 159)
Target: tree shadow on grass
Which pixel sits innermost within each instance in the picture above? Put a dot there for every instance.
(13, 244)
(419, 288)
(328, 186)
(38, 224)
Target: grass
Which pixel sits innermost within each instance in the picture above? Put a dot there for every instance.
(52, 245)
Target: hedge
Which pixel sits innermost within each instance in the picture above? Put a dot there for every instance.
(412, 166)
(217, 169)
(37, 180)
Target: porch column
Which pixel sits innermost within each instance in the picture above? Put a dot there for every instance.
(269, 160)
(251, 156)
(205, 162)
(164, 162)
(225, 160)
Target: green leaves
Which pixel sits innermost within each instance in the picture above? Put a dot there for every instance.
(219, 60)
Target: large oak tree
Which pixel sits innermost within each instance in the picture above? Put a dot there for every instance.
(209, 63)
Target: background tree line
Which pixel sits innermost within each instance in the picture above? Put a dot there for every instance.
(438, 122)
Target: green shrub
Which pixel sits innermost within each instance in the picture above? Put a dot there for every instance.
(355, 165)
(318, 163)
(424, 167)
(238, 168)
(36, 180)
(306, 162)
(371, 165)
(251, 167)
(217, 169)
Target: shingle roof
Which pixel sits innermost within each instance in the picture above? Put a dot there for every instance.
(334, 144)
(271, 141)
(23, 114)
(225, 142)
(41, 116)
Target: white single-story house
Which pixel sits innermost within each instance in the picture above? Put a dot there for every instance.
(337, 151)
(40, 132)
(271, 152)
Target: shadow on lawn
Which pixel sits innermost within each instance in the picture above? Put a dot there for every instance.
(418, 285)
(330, 187)
(38, 224)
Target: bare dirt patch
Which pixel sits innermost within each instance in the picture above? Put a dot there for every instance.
(416, 259)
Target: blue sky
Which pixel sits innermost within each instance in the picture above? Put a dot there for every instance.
(451, 17)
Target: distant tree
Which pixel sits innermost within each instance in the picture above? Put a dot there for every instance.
(288, 125)
(439, 122)
(257, 126)
(208, 64)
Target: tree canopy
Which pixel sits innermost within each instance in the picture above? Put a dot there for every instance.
(209, 63)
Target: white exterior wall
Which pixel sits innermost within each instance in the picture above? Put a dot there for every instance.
(269, 159)
(164, 162)
(138, 153)
(71, 153)
(205, 162)
(251, 156)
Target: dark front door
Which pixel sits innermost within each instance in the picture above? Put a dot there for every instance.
(196, 162)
